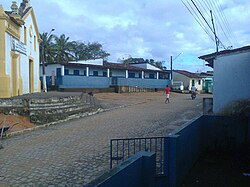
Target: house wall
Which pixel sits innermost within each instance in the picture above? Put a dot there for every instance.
(84, 82)
(49, 69)
(117, 78)
(32, 54)
(15, 66)
(187, 82)
(183, 78)
(143, 83)
(100, 71)
(118, 73)
(146, 75)
(231, 82)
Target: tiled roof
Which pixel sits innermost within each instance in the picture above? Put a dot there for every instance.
(203, 74)
(25, 11)
(210, 57)
(109, 65)
(121, 66)
(187, 73)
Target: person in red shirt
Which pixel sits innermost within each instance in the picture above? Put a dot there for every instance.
(167, 90)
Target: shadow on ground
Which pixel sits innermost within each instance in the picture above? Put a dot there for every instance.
(221, 168)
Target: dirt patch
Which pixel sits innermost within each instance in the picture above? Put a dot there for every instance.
(16, 123)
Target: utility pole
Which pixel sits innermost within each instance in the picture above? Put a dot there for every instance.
(171, 70)
(216, 38)
(43, 63)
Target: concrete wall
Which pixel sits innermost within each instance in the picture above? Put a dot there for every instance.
(187, 82)
(183, 148)
(137, 171)
(207, 132)
(144, 83)
(231, 82)
(85, 82)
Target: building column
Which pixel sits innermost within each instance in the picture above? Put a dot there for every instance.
(4, 79)
(157, 75)
(87, 71)
(142, 74)
(126, 75)
(108, 73)
(62, 71)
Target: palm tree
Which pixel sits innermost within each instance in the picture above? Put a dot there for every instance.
(47, 48)
(46, 53)
(64, 49)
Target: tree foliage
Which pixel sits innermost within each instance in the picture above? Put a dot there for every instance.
(159, 64)
(60, 49)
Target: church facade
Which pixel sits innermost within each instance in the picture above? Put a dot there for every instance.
(19, 51)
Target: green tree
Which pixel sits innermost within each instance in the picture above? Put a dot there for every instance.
(64, 49)
(79, 49)
(47, 48)
(94, 51)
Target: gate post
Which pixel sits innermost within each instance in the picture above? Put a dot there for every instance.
(171, 160)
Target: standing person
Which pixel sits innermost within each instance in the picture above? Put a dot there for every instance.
(167, 90)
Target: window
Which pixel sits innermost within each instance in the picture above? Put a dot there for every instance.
(76, 72)
(131, 75)
(84, 73)
(151, 76)
(34, 43)
(199, 82)
(66, 71)
(25, 35)
(193, 83)
(104, 74)
(95, 73)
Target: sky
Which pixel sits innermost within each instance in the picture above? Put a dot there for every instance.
(149, 29)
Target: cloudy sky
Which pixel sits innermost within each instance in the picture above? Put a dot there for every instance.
(149, 29)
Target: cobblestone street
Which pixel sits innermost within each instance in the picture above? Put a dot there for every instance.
(73, 153)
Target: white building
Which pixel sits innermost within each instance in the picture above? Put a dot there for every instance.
(231, 89)
(189, 79)
(19, 51)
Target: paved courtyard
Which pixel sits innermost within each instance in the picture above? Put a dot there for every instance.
(73, 153)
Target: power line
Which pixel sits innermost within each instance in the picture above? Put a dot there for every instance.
(226, 22)
(217, 17)
(206, 22)
(201, 25)
(220, 17)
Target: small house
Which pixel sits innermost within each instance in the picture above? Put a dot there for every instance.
(189, 79)
(101, 74)
(231, 79)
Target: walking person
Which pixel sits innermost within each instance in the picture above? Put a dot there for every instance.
(167, 90)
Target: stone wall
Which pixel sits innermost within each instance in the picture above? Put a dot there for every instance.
(46, 110)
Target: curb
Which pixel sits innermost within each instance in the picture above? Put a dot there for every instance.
(76, 116)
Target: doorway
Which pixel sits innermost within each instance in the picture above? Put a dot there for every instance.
(31, 76)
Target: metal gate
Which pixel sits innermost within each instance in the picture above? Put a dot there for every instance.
(122, 149)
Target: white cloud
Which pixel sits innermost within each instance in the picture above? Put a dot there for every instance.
(146, 28)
